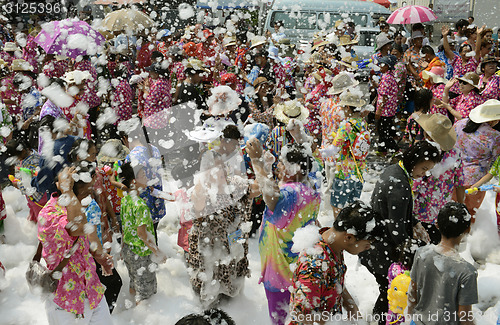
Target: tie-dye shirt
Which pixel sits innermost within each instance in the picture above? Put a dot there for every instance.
(297, 207)
(79, 279)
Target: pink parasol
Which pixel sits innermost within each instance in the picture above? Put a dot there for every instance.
(69, 37)
(411, 15)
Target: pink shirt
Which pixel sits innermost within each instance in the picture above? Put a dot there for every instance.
(388, 87)
(79, 279)
(491, 89)
(466, 103)
(159, 97)
(122, 101)
(437, 91)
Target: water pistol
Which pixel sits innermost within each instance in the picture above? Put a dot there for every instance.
(361, 64)
(472, 190)
(13, 179)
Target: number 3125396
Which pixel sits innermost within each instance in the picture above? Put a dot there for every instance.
(32, 8)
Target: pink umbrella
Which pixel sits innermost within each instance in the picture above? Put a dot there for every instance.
(69, 37)
(411, 15)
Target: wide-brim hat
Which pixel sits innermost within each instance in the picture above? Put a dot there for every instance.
(382, 40)
(274, 53)
(291, 109)
(436, 77)
(486, 112)
(488, 59)
(259, 81)
(341, 82)
(20, 65)
(10, 47)
(76, 76)
(318, 77)
(345, 40)
(320, 43)
(350, 99)
(196, 65)
(471, 78)
(256, 41)
(439, 128)
(113, 150)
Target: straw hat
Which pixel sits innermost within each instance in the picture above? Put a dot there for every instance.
(488, 111)
(20, 65)
(10, 47)
(196, 65)
(341, 82)
(76, 76)
(259, 81)
(113, 150)
(318, 77)
(291, 109)
(488, 59)
(439, 128)
(257, 40)
(471, 78)
(350, 99)
(3, 64)
(436, 74)
(346, 40)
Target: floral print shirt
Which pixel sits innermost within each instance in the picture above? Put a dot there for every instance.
(330, 116)
(432, 192)
(318, 282)
(135, 213)
(400, 73)
(491, 89)
(438, 91)
(79, 280)
(346, 166)
(122, 101)
(388, 87)
(466, 103)
(479, 150)
(55, 69)
(460, 69)
(159, 97)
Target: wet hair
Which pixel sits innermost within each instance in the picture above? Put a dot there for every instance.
(76, 148)
(356, 219)
(453, 220)
(470, 31)
(15, 147)
(423, 98)
(426, 49)
(214, 316)
(463, 46)
(82, 167)
(48, 121)
(127, 174)
(296, 154)
(471, 126)
(417, 26)
(398, 48)
(383, 25)
(231, 132)
(461, 24)
(156, 55)
(420, 152)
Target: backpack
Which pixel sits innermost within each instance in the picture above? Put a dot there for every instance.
(360, 146)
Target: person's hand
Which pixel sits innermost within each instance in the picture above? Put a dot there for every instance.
(423, 64)
(480, 30)
(496, 189)
(254, 148)
(445, 30)
(65, 180)
(378, 114)
(106, 262)
(450, 83)
(419, 232)
(294, 126)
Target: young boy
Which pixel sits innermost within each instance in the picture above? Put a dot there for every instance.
(138, 235)
(318, 281)
(443, 286)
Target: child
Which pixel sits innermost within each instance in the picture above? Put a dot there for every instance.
(318, 280)
(387, 105)
(443, 286)
(138, 235)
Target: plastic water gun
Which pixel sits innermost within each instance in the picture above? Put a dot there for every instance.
(13, 179)
(398, 294)
(361, 64)
(488, 187)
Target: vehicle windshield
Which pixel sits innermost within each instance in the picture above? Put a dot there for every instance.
(295, 20)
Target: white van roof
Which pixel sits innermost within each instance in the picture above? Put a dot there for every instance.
(346, 6)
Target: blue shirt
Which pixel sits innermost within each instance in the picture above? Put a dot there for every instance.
(93, 214)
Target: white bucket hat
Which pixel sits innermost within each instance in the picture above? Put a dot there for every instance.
(486, 112)
(291, 109)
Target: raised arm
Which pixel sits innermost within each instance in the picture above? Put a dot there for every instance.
(445, 30)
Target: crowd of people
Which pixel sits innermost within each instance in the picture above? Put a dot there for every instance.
(253, 139)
